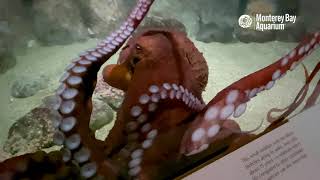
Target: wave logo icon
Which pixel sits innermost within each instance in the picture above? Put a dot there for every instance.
(245, 21)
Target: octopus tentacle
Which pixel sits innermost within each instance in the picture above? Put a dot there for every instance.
(316, 92)
(147, 122)
(299, 98)
(233, 99)
(296, 102)
(74, 95)
(313, 97)
(151, 128)
(155, 110)
(38, 165)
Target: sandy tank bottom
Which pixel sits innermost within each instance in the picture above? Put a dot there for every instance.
(227, 63)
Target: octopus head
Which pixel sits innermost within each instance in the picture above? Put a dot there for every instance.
(159, 56)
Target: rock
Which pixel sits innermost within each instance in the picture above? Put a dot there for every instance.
(4, 155)
(31, 132)
(102, 114)
(28, 86)
(291, 7)
(105, 100)
(7, 59)
(103, 16)
(4, 27)
(264, 7)
(217, 20)
(213, 32)
(188, 12)
(58, 22)
(250, 35)
(246, 35)
(33, 43)
(161, 22)
(292, 32)
(35, 130)
(309, 11)
(15, 24)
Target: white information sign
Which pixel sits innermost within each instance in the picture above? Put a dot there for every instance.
(290, 152)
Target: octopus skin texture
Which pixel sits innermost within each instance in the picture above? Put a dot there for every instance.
(163, 123)
(155, 114)
(232, 101)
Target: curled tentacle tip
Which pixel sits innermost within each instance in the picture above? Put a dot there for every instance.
(198, 138)
(194, 148)
(198, 150)
(195, 143)
(117, 76)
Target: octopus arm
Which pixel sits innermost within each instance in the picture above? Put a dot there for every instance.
(296, 102)
(316, 92)
(233, 99)
(77, 88)
(74, 106)
(38, 165)
(313, 97)
(299, 98)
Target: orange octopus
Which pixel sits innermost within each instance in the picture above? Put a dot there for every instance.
(163, 126)
(155, 111)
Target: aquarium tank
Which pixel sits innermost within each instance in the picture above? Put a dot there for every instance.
(147, 89)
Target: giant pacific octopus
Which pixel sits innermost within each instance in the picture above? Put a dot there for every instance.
(163, 124)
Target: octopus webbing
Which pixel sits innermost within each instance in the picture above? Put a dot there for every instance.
(163, 120)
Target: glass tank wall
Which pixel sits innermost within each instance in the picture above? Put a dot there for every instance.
(40, 38)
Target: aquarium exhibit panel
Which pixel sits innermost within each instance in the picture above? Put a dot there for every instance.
(288, 152)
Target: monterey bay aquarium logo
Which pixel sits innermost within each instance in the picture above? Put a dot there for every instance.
(266, 22)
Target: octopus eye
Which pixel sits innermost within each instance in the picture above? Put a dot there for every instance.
(134, 61)
(138, 47)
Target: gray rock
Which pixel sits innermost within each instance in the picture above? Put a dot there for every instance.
(250, 35)
(292, 32)
(4, 155)
(252, 8)
(104, 16)
(161, 22)
(4, 27)
(213, 32)
(15, 24)
(105, 100)
(35, 130)
(7, 59)
(309, 11)
(102, 114)
(187, 12)
(31, 132)
(289, 6)
(305, 22)
(58, 22)
(28, 86)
